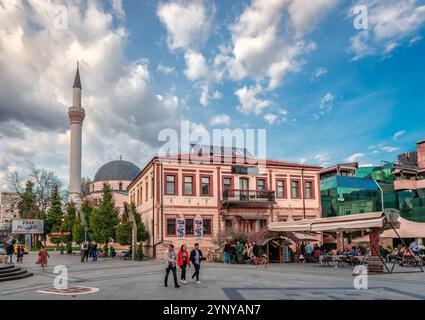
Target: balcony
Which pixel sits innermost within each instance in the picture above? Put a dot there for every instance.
(405, 184)
(248, 198)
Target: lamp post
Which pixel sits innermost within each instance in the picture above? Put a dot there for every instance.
(382, 195)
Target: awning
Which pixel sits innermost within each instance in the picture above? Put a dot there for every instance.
(300, 236)
(349, 222)
(408, 229)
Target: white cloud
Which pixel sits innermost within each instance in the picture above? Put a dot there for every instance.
(270, 118)
(196, 67)
(354, 157)
(398, 134)
(305, 14)
(221, 119)
(257, 49)
(188, 23)
(320, 71)
(326, 103)
(322, 159)
(390, 149)
(165, 69)
(389, 23)
(249, 102)
(123, 115)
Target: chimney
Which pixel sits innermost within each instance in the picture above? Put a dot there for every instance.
(421, 154)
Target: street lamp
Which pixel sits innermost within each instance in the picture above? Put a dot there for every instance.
(382, 195)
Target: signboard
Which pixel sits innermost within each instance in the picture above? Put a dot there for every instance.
(199, 228)
(28, 226)
(59, 234)
(180, 228)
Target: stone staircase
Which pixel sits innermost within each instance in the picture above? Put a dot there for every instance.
(10, 272)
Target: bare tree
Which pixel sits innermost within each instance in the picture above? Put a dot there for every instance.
(44, 183)
(14, 182)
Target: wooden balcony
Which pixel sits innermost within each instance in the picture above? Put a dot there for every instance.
(248, 198)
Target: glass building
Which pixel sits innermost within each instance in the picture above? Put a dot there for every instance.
(359, 192)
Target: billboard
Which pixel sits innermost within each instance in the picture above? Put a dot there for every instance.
(28, 226)
(199, 228)
(180, 228)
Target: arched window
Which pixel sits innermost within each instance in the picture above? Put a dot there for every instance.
(120, 186)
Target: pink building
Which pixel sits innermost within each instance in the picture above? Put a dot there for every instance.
(118, 174)
(227, 196)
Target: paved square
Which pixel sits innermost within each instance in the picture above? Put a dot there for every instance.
(117, 279)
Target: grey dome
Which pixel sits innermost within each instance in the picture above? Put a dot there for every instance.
(117, 170)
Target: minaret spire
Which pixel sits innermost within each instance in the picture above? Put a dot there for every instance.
(76, 116)
(77, 82)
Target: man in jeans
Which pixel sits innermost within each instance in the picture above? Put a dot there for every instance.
(196, 257)
(239, 252)
(10, 250)
(171, 263)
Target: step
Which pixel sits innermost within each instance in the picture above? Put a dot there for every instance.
(8, 270)
(6, 267)
(16, 277)
(15, 272)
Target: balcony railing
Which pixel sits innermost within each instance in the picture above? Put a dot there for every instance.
(248, 196)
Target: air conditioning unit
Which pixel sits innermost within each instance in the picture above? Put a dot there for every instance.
(392, 215)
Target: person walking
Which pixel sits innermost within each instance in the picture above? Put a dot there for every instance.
(239, 252)
(309, 251)
(171, 258)
(183, 261)
(94, 250)
(10, 250)
(256, 253)
(196, 257)
(42, 257)
(227, 252)
(20, 253)
(84, 251)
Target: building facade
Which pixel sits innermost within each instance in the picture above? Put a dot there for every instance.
(349, 189)
(118, 174)
(8, 210)
(227, 195)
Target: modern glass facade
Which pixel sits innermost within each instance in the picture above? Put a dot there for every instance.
(342, 195)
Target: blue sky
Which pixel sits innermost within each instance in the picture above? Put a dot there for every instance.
(373, 97)
(325, 92)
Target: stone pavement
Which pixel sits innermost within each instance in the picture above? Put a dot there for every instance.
(117, 279)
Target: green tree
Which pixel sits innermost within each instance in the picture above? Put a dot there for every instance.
(124, 230)
(54, 217)
(78, 232)
(104, 218)
(27, 204)
(69, 221)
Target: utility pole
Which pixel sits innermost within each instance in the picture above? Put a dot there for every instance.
(133, 230)
(382, 195)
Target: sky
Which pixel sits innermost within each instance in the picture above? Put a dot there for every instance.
(325, 90)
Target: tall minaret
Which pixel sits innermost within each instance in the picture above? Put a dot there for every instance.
(76, 116)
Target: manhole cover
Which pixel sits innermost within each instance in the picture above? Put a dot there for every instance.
(70, 291)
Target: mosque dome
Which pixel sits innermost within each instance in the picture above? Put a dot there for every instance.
(117, 170)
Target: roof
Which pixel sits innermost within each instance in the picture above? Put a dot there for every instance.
(349, 222)
(117, 170)
(408, 229)
(77, 82)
